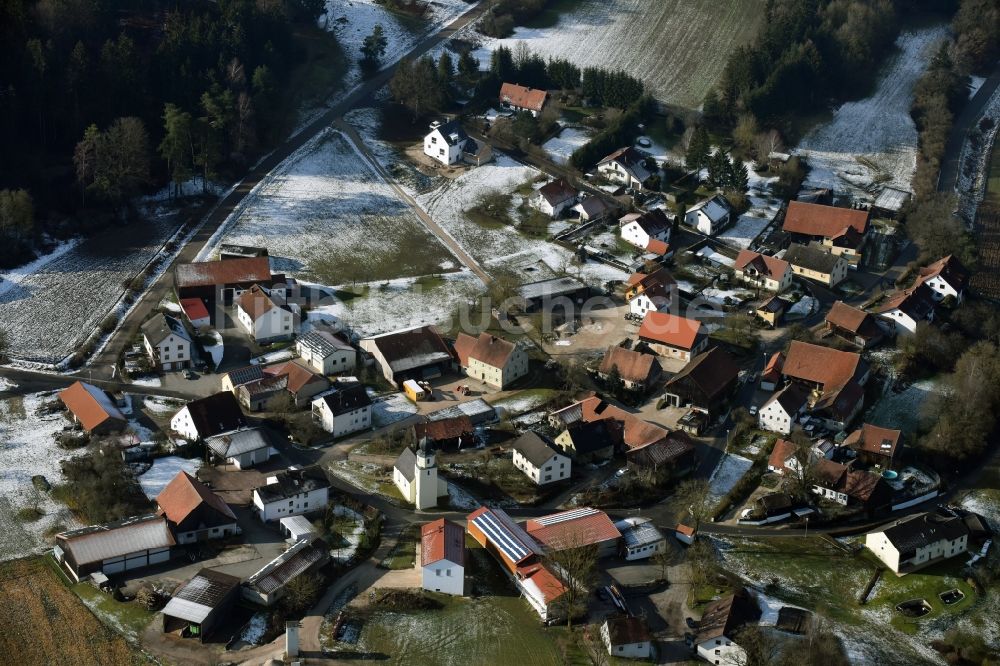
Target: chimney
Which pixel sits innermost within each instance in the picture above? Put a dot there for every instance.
(292, 639)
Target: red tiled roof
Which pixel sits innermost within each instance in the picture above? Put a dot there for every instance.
(449, 428)
(572, 529)
(657, 246)
(184, 495)
(845, 316)
(949, 269)
(772, 371)
(463, 346)
(523, 98)
(871, 438)
(771, 267)
(633, 366)
(827, 221)
(442, 540)
(223, 271)
(298, 376)
(684, 529)
(782, 451)
(812, 363)
(548, 585)
(90, 405)
(491, 350)
(916, 303)
(194, 308)
(255, 302)
(557, 192)
(670, 330)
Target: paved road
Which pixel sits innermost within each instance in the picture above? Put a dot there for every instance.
(948, 177)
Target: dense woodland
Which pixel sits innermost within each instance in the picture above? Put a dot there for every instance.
(101, 100)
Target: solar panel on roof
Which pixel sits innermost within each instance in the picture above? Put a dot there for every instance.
(572, 514)
(515, 546)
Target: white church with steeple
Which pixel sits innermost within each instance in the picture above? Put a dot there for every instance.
(416, 475)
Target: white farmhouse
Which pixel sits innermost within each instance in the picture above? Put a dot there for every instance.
(945, 277)
(553, 198)
(626, 638)
(709, 216)
(442, 557)
(905, 309)
(207, 417)
(539, 460)
(167, 342)
(641, 228)
(763, 271)
(326, 352)
(626, 166)
(918, 541)
(342, 411)
(492, 360)
(416, 477)
(292, 492)
(447, 143)
(722, 619)
(780, 412)
(263, 318)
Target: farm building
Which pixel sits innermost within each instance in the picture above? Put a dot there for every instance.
(292, 492)
(343, 410)
(705, 383)
(243, 449)
(326, 352)
(587, 441)
(194, 512)
(890, 201)
(640, 538)
(442, 557)
(674, 453)
(447, 143)
(637, 371)
(412, 353)
(456, 432)
(92, 408)
(854, 325)
(534, 455)
(221, 281)
(478, 411)
(167, 342)
(111, 548)
(492, 360)
(547, 295)
(627, 637)
(553, 198)
(575, 528)
(837, 378)
(207, 417)
(841, 231)
(626, 166)
(519, 98)
(709, 216)
(200, 604)
(816, 263)
(761, 270)
(196, 313)
(673, 336)
(269, 585)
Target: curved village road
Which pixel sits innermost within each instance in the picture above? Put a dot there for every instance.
(103, 363)
(948, 177)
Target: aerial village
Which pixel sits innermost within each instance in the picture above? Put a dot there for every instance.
(664, 408)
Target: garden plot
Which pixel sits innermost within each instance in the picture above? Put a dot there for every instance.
(27, 449)
(874, 141)
(500, 246)
(727, 474)
(903, 410)
(325, 215)
(677, 47)
(52, 304)
(560, 148)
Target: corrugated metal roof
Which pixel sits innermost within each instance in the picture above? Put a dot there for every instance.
(101, 542)
(638, 532)
(198, 597)
(290, 564)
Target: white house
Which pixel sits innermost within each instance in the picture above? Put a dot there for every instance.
(721, 620)
(945, 277)
(553, 198)
(763, 271)
(640, 538)
(709, 216)
(641, 228)
(905, 309)
(263, 318)
(492, 360)
(194, 512)
(918, 541)
(442, 557)
(626, 638)
(207, 417)
(292, 492)
(326, 352)
(519, 98)
(195, 311)
(626, 166)
(416, 477)
(342, 411)
(243, 448)
(781, 411)
(447, 142)
(167, 342)
(539, 461)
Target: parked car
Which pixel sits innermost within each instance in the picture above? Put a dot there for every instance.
(753, 410)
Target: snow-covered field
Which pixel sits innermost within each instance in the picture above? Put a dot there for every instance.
(324, 214)
(874, 139)
(163, 471)
(903, 410)
(52, 304)
(28, 448)
(561, 147)
(677, 47)
(727, 474)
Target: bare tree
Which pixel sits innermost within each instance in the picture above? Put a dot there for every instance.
(767, 143)
(575, 568)
(760, 647)
(701, 560)
(693, 495)
(662, 559)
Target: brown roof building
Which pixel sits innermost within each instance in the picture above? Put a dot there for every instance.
(705, 382)
(523, 99)
(575, 528)
(854, 325)
(723, 617)
(824, 222)
(442, 540)
(452, 432)
(413, 353)
(93, 408)
(875, 445)
(945, 277)
(638, 371)
(203, 279)
(193, 511)
(671, 335)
